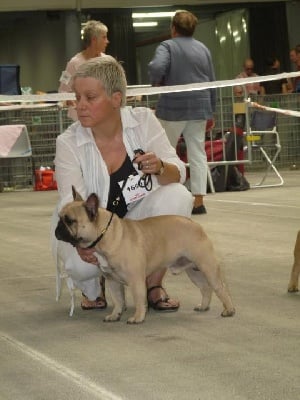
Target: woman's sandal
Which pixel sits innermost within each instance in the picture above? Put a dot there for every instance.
(99, 304)
(163, 303)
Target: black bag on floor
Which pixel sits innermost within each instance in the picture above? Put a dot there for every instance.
(218, 176)
(235, 181)
(224, 178)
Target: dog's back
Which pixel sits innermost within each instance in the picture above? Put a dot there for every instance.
(168, 238)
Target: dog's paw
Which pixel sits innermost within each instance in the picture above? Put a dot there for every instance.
(112, 318)
(199, 308)
(228, 313)
(133, 320)
(293, 289)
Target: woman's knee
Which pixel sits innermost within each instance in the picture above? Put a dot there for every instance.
(80, 270)
(182, 202)
(173, 199)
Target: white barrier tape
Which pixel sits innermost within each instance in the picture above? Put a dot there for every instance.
(278, 110)
(38, 98)
(150, 90)
(22, 106)
(209, 85)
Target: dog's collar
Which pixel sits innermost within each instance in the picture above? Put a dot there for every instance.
(102, 233)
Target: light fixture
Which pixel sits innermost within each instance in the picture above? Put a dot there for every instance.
(144, 24)
(154, 14)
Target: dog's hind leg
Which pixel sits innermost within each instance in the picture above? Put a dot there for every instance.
(293, 284)
(117, 292)
(220, 288)
(198, 278)
(222, 292)
(207, 263)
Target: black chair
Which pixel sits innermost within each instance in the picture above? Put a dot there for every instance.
(10, 79)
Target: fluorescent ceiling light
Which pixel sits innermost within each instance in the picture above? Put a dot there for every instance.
(140, 24)
(154, 14)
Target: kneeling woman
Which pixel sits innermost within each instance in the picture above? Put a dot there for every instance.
(122, 154)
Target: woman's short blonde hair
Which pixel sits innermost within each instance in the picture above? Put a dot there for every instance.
(92, 29)
(108, 71)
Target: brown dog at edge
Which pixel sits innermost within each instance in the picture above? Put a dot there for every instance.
(136, 248)
(293, 284)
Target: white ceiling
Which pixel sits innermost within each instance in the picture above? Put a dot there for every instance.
(27, 5)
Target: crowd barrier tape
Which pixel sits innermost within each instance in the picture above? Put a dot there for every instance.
(273, 109)
(48, 100)
(144, 90)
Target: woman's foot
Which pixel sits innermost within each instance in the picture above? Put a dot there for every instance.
(98, 304)
(199, 207)
(199, 210)
(159, 300)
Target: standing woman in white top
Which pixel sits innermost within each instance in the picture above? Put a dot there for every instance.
(107, 152)
(95, 41)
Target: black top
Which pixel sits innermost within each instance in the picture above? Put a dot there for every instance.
(116, 202)
(273, 87)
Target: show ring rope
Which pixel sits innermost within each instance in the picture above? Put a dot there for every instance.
(145, 90)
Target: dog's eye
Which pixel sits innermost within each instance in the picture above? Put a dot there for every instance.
(68, 221)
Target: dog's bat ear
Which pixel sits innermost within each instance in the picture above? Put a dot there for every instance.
(91, 206)
(76, 195)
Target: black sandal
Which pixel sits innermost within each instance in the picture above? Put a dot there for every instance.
(162, 304)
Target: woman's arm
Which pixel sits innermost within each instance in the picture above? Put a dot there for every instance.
(156, 145)
(165, 172)
(67, 171)
(159, 65)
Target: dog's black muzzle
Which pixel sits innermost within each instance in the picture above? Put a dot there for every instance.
(62, 233)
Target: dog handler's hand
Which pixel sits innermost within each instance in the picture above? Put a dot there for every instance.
(87, 255)
(148, 163)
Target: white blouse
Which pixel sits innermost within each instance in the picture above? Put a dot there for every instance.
(78, 161)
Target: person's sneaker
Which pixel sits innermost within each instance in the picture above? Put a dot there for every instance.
(199, 210)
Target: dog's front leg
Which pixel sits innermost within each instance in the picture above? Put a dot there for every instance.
(117, 293)
(139, 294)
